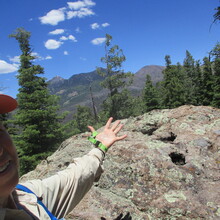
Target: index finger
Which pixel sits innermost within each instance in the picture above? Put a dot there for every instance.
(108, 123)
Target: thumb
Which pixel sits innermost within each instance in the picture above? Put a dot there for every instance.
(91, 128)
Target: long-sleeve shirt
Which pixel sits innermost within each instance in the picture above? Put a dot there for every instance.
(60, 193)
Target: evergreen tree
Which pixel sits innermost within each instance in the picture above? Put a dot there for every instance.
(216, 81)
(217, 15)
(198, 86)
(190, 78)
(173, 88)
(115, 80)
(207, 82)
(150, 96)
(83, 117)
(37, 119)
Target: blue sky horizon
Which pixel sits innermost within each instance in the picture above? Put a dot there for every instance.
(68, 37)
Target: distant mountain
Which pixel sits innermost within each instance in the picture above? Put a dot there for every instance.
(139, 80)
(76, 90)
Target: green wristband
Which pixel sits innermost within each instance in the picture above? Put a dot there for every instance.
(96, 142)
(103, 147)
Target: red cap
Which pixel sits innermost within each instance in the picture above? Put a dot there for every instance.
(7, 104)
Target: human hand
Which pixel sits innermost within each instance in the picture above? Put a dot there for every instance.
(109, 135)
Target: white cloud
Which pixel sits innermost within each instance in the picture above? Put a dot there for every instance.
(48, 57)
(53, 17)
(83, 12)
(98, 41)
(105, 24)
(94, 26)
(7, 67)
(80, 4)
(35, 54)
(52, 44)
(57, 31)
(80, 9)
(15, 59)
(65, 52)
(39, 57)
(63, 38)
(70, 37)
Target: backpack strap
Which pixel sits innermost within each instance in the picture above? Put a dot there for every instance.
(25, 189)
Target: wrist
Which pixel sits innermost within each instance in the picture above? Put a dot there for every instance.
(97, 143)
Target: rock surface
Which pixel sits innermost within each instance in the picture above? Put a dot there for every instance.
(167, 168)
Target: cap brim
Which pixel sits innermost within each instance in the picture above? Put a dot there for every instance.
(7, 104)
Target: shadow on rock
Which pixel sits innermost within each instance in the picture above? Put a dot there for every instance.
(121, 217)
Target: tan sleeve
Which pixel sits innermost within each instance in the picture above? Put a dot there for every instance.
(63, 191)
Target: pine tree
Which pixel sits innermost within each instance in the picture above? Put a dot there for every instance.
(37, 119)
(190, 78)
(115, 80)
(198, 86)
(172, 85)
(150, 96)
(216, 80)
(207, 82)
(83, 117)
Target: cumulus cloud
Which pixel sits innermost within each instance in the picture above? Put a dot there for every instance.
(37, 56)
(15, 59)
(80, 4)
(57, 31)
(105, 24)
(52, 44)
(80, 9)
(95, 26)
(83, 12)
(64, 38)
(48, 57)
(7, 67)
(53, 17)
(70, 37)
(98, 41)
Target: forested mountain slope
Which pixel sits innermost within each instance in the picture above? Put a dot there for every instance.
(76, 90)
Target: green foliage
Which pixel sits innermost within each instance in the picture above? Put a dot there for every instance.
(39, 131)
(83, 117)
(115, 80)
(30, 162)
(118, 106)
(150, 96)
(190, 79)
(216, 78)
(198, 84)
(217, 14)
(207, 82)
(173, 94)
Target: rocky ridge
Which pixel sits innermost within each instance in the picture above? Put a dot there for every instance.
(167, 168)
(76, 90)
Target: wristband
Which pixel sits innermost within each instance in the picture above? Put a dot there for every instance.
(96, 142)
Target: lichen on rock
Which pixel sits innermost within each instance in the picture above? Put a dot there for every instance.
(167, 168)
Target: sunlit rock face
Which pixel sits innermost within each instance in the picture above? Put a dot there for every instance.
(167, 168)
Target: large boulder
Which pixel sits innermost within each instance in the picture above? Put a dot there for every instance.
(167, 168)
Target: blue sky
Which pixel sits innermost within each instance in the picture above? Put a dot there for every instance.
(68, 36)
